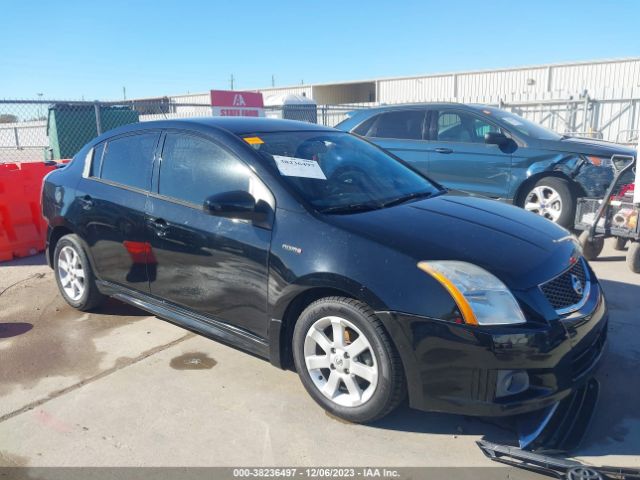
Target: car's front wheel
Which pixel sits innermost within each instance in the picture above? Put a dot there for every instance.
(346, 360)
(74, 275)
(552, 198)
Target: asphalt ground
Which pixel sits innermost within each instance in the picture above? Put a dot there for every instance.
(119, 387)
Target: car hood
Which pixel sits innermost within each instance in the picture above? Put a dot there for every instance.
(520, 248)
(587, 146)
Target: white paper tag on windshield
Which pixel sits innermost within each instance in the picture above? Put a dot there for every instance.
(299, 167)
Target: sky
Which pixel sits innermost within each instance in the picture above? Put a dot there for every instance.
(92, 49)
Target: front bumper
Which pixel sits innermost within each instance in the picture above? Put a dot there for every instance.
(454, 368)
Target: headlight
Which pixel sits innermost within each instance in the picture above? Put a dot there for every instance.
(481, 298)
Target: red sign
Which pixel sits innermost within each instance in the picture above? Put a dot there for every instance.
(231, 103)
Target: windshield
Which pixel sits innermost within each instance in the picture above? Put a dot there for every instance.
(339, 173)
(524, 126)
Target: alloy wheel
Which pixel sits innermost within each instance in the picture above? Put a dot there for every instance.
(544, 201)
(71, 273)
(340, 361)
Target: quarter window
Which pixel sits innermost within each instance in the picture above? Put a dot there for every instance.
(96, 160)
(194, 168)
(127, 160)
(460, 127)
(405, 125)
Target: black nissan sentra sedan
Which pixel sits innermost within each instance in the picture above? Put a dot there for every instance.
(319, 251)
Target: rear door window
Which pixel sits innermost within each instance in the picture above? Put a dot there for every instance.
(127, 160)
(402, 125)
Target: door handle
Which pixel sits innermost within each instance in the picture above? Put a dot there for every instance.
(86, 202)
(443, 150)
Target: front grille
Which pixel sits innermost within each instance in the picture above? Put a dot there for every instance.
(561, 292)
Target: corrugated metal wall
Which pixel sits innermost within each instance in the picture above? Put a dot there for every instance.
(547, 81)
(597, 76)
(415, 89)
(193, 98)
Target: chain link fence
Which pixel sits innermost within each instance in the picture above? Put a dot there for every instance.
(32, 131)
(40, 130)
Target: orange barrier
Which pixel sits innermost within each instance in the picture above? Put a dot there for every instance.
(22, 228)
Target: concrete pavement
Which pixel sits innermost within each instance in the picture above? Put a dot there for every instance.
(119, 387)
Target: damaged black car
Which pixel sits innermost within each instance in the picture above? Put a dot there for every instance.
(318, 250)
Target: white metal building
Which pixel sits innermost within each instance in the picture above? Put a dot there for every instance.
(597, 98)
(605, 79)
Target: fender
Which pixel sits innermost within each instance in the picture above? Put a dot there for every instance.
(566, 164)
(297, 296)
(561, 165)
(329, 281)
(54, 226)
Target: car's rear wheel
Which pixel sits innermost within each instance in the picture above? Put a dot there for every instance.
(74, 276)
(552, 198)
(346, 360)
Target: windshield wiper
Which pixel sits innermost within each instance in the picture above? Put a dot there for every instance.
(364, 207)
(351, 208)
(406, 198)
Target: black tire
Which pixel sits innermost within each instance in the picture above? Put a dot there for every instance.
(633, 257)
(391, 383)
(590, 248)
(91, 296)
(567, 198)
(620, 244)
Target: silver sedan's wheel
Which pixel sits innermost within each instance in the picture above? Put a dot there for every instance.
(74, 274)
(341, 361)
(347, 361)
(71, 273)
(545, 201)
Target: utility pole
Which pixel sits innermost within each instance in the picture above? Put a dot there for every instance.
(273, 80)
(231, 81)
(124, 93)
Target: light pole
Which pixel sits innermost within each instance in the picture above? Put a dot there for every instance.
(40, 105)
(636, 191)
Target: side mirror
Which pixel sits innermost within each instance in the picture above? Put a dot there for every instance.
(234, 204)
(495, 138)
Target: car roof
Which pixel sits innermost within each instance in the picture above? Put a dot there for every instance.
(405, 106)
(234, 125)
(240, 125)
